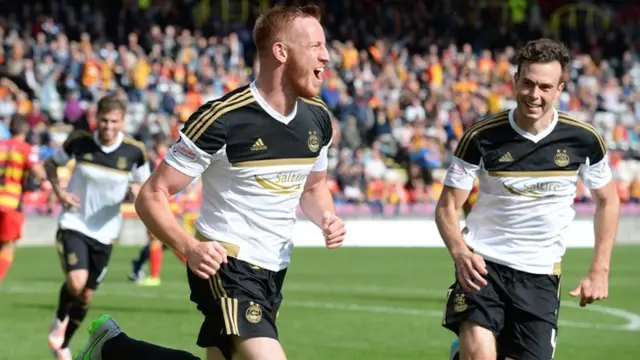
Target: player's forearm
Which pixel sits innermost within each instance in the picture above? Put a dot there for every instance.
(448, 224)
(154, 210)
(315, 201)
(605, 223)
(51, 172)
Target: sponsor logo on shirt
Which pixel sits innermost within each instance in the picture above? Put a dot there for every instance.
(181, 150)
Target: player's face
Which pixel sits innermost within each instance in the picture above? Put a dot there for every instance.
(307, 57)
(110, 124)
(538, 86)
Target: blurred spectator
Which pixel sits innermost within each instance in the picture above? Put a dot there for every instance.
(404, 82)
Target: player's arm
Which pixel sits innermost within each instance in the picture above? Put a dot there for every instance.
(458, 184)
(199, 144)
(316, 197)
(596, 175)
(140, 173)
(60, 158)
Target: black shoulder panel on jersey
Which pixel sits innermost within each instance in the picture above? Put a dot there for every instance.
(321, 111)
(469, 147)
(77, 140)
(139, 152)
(205, 126)
(256, 138)
(592, 141)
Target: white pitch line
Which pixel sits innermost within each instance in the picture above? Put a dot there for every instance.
(633, 320)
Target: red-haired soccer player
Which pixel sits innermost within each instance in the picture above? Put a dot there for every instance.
(17, 158)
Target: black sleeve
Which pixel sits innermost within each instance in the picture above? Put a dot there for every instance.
(73, 142)
(143, 156)
(327, 129)
(468, 148)
(206, 128)
(598, 149)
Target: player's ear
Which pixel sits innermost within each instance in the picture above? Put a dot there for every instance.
(280, 51)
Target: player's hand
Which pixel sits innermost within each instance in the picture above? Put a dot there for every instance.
(69, 200)
(205, 257)
(593, 287)
(470, 271)
(333, 230)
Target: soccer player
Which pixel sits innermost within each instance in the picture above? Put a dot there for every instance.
(261, 150)
(17, 159)
(506, 296)
(153, 251)
(108, 165)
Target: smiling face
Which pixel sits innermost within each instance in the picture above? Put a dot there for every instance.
(305, 56)
(538, 86)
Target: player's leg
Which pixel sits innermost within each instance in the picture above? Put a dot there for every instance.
(74, 255)
(108, 342)
(156, 254)
(240, 304)
(11, 222)
(137, 274)
(533, 325)
(476, 317)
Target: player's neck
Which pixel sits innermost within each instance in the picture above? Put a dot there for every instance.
(533, 127)
(275, 93)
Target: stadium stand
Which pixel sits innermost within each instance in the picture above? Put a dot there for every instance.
(404, 83)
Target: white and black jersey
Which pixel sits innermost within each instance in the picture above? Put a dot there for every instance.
(527, 186)
(100, 179)
(254, 164)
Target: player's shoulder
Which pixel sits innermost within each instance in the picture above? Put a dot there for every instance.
(236, 99)
(579, 129)
(316, 106)
(134, 148)
(79, 135)
(494, 122)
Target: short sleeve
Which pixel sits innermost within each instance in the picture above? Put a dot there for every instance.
(461, 174)
(66, 152)
(141, 173)
(596, 171)
(322, 161)
(201, 141)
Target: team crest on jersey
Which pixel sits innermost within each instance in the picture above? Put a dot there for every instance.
(88, 157)
(122, 163)
(314, 141)
(562, 158)
(254, 313)
(459, 303)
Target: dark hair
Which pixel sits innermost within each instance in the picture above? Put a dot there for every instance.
(542, 51)
(19, 125)
(110, 103)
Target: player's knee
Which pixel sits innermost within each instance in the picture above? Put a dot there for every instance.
(213, 353)
(476, 342)
(86, 296)
(76, 281)
(260, 348)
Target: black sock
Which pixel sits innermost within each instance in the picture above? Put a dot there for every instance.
(77, 312)
(123, 347)
(64, 302)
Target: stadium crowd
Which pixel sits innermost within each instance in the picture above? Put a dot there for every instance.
(403, 84)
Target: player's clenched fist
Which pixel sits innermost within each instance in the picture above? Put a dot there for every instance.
(205, 257)
(333, 230)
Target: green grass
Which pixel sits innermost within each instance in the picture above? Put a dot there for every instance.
(351, 304)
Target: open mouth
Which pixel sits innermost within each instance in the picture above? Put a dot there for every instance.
(318, 72)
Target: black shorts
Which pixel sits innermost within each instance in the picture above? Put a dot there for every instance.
(240, 300)
(520, 308)
(79, 251)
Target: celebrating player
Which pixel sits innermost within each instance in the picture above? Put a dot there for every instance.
(261, 150)
(105, 161)
(17, 159)
(505, 299)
